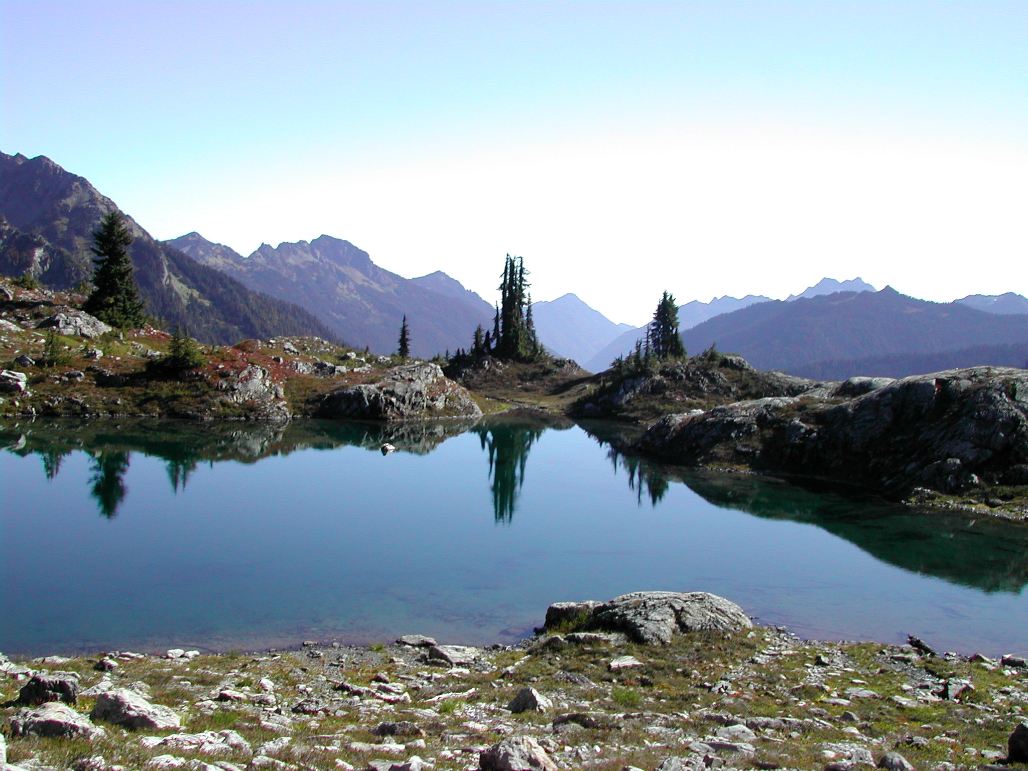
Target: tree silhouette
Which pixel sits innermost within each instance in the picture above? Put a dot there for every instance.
(115, 298)
(108, 481)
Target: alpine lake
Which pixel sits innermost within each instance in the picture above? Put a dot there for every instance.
(147, 535)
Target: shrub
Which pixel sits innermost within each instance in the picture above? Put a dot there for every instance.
(27, 281)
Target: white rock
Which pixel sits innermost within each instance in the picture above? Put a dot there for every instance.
(624, 662)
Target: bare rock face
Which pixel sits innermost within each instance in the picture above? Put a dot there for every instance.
(411, 392)
(518, 753)
(127, 708)
(947, 431)
(52, 719)
(655, 617)
(74, 322)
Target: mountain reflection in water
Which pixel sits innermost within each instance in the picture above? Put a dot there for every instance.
(979, 552)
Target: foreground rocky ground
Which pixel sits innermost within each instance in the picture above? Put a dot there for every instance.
(649, 681)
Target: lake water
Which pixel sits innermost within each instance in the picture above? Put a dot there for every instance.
(137, 535)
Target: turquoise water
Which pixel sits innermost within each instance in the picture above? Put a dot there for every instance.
(144, 536)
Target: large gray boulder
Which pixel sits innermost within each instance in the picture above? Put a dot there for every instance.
(529, 699)
(655, 617)
(254, 386)
(12, 382)
(518, 753)
(411, 392)
(52, 719)
(74, 322)
(127, 708)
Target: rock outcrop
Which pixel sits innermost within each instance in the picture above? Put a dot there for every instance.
(127, 708)
(75, 323)
(656, 617)
(410, 392)
(947, 431)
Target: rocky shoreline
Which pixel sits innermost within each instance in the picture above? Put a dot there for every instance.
(651, 680)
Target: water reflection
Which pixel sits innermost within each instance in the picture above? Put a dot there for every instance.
(973, 550)
(984, 553)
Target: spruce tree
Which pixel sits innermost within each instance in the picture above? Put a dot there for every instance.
(115, 298)
(404, 339)
(663, 339)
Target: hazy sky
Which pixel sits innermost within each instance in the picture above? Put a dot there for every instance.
(707, 148)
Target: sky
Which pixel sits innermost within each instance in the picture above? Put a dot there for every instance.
(705, 148)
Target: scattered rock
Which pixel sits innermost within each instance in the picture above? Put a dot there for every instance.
(516, 753)
(737, 733)
(401, 728)
(529, 699)
(52, 719)
(127, 708)
(1014, 661)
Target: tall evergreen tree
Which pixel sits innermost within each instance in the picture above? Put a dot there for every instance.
(404, 339)
(662, 333)
(115, 298)
(516, 337)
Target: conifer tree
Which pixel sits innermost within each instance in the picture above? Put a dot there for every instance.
(516, 337)
(663, 339)
(404, 339)
(115, 298)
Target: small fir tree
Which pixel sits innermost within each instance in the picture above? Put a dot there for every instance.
(115, 297)
(184, 353)
(404, 339)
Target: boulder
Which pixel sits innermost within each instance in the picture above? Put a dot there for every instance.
(254, 386)
(127, 708)
(529, 699)
(454, 655)
(24, 361)
(671, 763)
(12, 382)
(893, 761)
(44, 687)
(74, 322)
(416, 641)
(52, 719)
(569, 612)
(517, 753)
(399, 728)
(1017, 744)
(655, 617)
(410, 392)
(624, 662)
(3, 750)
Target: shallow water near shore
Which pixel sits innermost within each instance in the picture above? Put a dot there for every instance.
(138, 535)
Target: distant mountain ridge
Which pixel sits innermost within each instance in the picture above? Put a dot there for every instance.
(360, 301)
(831, 286)
(569, 328)
(49, 215)
(1008, 303)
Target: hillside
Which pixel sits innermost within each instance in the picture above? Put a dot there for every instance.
(48, 217)
(906, 364)
(847, 325)
(358, 300)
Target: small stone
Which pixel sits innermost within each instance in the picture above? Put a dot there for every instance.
(671, 763)
(401, 728)
(529, 699)
(849, 717)
(455, 655)
(106, 665)
(737, 733)
(624, 662)
(230, 695)
(893, 761)
(175, 653)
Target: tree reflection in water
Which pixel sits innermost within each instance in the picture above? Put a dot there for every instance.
(507, 446)
(108, 481)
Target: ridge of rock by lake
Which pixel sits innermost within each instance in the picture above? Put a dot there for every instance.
(149, 534)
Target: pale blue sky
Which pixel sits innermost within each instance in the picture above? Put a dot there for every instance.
(707, 148)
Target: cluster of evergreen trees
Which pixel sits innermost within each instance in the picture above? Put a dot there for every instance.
(513, 336)
(662, 341)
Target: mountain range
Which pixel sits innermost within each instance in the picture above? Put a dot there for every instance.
(47, 216)
(361, 302)
(330, 288)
